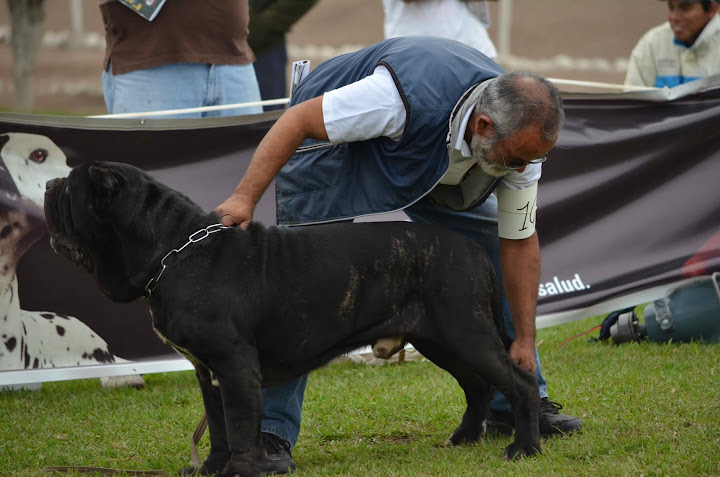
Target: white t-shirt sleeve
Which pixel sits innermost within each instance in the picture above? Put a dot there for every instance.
(521, 180)
(363, 110)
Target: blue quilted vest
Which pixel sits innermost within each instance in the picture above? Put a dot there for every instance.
(323, 183)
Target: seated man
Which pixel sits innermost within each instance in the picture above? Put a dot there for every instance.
(684, 49)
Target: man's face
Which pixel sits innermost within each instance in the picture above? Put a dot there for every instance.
(498, 158)
(482, 149)
(687, 20)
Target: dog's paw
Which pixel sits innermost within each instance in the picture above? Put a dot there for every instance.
(232, 473)
(240, 466)
(214, 463)
(463, 436)
(194, 471)
(516, 452)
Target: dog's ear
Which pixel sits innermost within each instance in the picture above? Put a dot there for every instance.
(106, 186)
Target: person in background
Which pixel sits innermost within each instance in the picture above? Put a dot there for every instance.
(191, 54)
(685, 48)
(463, 20)
(270, 21)
(432, 127)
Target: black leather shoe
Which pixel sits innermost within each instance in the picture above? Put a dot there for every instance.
(278, 460)
(551, 421)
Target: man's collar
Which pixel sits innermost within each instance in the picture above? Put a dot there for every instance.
(461, 144)
(460, 117)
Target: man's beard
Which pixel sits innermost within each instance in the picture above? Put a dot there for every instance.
(481, 149)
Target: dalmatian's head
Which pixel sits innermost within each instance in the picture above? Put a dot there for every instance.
(28, 162)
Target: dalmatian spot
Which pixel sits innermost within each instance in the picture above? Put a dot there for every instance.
(47, 316)
(60, 330)
(99, 355)
(10, 344)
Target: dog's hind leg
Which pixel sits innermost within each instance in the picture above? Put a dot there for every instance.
(478, 362)
(489, 359)
(212, 399)
(477, 392)
(521, 391)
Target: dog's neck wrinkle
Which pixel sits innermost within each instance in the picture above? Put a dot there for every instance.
(170, 234)
(166, 220)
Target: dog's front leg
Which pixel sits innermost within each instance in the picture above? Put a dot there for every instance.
(240, 381)
(219, 451)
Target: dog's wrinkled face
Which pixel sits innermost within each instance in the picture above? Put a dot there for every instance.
(80, 214)
(58, 214)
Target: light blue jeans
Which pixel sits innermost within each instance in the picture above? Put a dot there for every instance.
(180, 86)
(282, 405)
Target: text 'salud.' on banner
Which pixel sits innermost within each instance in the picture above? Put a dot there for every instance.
(627, 210)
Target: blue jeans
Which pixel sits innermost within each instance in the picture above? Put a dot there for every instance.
(480, 225)
(182, 85)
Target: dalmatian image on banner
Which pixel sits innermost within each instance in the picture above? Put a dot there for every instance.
(34, 339)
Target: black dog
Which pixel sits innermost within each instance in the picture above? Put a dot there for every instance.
(259, 307)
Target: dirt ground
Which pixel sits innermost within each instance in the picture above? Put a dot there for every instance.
(571, 39)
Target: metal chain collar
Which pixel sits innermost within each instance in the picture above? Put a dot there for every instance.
(196, 237)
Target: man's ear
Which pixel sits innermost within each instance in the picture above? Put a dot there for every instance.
(105, 186)
(483, 125)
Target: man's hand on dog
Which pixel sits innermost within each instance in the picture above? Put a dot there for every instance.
(236, 211)
(522, 350)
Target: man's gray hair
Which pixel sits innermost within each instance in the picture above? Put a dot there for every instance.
(513, 104)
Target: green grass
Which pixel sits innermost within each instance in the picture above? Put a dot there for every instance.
(649, 409)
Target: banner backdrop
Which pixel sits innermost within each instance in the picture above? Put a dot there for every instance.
(629, 202)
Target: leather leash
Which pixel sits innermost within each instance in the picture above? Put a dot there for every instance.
(101, 470)
(194, 459)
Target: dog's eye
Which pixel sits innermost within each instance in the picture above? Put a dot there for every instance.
(38, 155)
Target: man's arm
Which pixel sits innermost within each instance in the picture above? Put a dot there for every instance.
(300, 122)
(520, 263)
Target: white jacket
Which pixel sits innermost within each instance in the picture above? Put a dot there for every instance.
(659, 60)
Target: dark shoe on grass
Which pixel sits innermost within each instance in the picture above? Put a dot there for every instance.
(278, 460)
(552, 421)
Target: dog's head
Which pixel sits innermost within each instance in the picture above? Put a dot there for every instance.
(28, 162)
(85, 213)
(116, 222)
